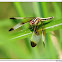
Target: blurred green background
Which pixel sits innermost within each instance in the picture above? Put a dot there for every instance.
(20, 48)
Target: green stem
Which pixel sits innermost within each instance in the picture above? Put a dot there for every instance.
(21, 14)
(58, 16)
(48, 42)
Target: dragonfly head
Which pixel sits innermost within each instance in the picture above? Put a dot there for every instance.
(31, 22)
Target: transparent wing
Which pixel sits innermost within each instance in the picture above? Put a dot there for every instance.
(44, 19)
(43, 33)
(20, 24)
(17, 26)
(35, 39)
(21, 17)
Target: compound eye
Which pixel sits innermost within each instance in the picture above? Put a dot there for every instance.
(30, 20)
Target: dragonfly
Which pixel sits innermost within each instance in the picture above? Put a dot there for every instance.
(34, 24)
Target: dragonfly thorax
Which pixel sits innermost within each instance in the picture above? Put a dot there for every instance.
(33, 21)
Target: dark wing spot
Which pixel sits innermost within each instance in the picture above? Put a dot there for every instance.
(45, 19)
(12, 18)
(51, 17)
(33, 44)
(11, 29)
(22, 23)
